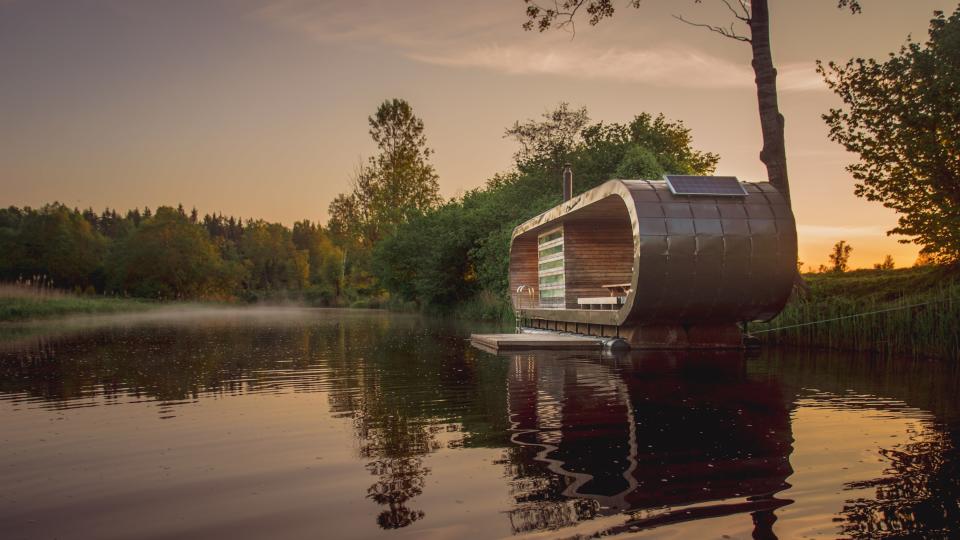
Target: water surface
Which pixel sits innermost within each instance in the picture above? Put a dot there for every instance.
(359, 424)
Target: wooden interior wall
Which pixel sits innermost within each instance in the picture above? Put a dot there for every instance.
(598, 252)
(523, 264)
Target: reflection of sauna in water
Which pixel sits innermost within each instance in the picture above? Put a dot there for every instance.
(645, 432)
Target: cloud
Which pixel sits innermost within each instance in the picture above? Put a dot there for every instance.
(427, 24)
(469, 35)
(659, 66)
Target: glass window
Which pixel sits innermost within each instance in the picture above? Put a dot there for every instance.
(550, 251)
(552, 293)
(551, 280)
(551, 265)
(549, 237)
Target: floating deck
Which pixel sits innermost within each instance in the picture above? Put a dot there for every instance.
(542, 341)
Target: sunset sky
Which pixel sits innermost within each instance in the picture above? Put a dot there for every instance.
(258, 108)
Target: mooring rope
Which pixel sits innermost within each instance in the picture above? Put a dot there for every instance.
(948, 299)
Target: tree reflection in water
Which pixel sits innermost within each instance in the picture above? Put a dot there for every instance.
(395, 443)
(918, 496)
(657, 438)
(401, 479)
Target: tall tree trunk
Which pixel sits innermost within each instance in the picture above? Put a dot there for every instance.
(773, 154)
(774, 151)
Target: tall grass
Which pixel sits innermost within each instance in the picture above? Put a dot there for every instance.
(36, 299)
(913, 312)
(485, 306)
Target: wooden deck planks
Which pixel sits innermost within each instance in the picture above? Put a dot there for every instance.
(544, 341)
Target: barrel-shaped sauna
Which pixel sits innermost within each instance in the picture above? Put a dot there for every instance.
(657, 265)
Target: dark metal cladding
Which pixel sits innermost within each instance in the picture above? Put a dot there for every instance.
(695, 260)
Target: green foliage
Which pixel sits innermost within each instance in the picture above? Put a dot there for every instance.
(458, 253)
(902, 117)
(167, 256)
(547, 143)
(170, 254)
(271, 259)
(325, 261)
(54, 242)
(393, 186)
(389, 190)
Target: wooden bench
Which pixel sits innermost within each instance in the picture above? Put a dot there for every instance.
(600, 302)
(618, 289)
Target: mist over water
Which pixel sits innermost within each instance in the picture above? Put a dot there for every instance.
(354, 424)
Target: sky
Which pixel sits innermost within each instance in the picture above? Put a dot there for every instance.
(258, 108)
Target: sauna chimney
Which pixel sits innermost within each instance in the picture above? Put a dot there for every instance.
(567, 182)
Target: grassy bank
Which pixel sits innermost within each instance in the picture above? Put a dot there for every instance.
(19, 303)
(913, 311)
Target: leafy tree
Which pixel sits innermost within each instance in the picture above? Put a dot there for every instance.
(392, 186)
(438, 275)
(648, 147)
(886, 264)
(325, 258)
(271, 259)
(169, 257)
(548, 143)
(923, 259)
(55, 242)
(840, 256)
(754, 15)
(902, 117)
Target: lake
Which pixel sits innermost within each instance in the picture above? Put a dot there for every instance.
(303, 423)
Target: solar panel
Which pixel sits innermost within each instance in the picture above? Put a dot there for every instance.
(714, 186)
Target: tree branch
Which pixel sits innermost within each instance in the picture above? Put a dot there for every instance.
(566, 12)
(725, 32)
(745, 16)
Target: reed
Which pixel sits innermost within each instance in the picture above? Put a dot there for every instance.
(38, 299)
(484, 306)
(912, 312)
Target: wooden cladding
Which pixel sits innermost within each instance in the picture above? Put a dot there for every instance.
(598, 253)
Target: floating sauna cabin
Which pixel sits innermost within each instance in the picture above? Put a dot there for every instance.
(680, 262)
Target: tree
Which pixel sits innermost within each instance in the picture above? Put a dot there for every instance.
(647, 147)
(902, 117)
(549, 142)
(840, 256)
(324, 257)
(755, 15)
(392, 186)
(272, 260)
(169, 257)
(55, 242)
(886, 264)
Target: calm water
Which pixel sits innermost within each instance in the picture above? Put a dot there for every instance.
(339, 424)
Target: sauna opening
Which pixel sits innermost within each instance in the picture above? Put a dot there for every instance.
(582, 260)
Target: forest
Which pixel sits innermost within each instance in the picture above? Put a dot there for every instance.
(167, 254)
